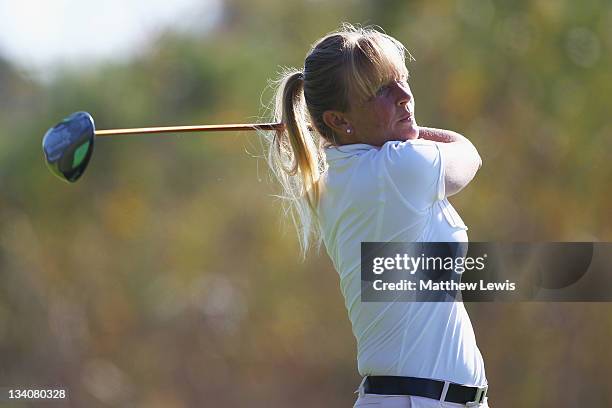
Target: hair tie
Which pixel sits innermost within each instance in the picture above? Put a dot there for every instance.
(301, 75)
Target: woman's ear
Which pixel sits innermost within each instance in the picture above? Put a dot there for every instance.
(336, 121)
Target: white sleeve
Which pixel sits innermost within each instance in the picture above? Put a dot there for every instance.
(415, 169)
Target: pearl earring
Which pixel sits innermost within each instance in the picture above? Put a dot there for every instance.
(349, 130)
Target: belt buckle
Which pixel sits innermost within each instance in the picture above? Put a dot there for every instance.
(479, 398)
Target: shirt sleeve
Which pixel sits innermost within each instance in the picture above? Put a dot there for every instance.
(415, 169)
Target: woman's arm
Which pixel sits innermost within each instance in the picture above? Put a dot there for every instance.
(439, 135)
(461, 159)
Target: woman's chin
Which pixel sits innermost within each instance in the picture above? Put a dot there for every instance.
(415, 132)
(411, 133)
(403, 134)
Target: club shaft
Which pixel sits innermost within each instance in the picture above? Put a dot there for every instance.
(200, 128)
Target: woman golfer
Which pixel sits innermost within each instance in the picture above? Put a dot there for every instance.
(355, 167)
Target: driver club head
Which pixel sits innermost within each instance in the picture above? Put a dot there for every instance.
(68, 146)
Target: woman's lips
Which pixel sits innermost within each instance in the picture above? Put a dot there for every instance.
(406, 119)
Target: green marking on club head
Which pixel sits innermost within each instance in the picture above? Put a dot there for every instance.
(79, 154)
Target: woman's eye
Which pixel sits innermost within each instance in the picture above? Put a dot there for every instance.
(382, 90)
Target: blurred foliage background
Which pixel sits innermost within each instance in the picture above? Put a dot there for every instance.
(167, 277)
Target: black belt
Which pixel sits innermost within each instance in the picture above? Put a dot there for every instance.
(423, 387)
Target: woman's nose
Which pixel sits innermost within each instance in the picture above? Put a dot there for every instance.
(404, 96)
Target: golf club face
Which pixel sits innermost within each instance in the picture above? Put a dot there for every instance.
(68, 146)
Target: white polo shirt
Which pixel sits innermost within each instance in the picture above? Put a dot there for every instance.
(395, 193)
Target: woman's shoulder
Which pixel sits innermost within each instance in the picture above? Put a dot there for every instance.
(407, 144)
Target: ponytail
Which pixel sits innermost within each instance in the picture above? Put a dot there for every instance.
(296, 158)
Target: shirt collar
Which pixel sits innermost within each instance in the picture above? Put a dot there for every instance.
(346, 151)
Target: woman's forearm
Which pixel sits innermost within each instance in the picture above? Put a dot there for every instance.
(439, 135)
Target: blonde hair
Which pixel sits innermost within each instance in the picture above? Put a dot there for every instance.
(343, 68)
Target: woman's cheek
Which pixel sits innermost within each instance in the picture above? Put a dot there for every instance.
(384, 116)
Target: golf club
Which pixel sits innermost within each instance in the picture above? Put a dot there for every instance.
(68, 146)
